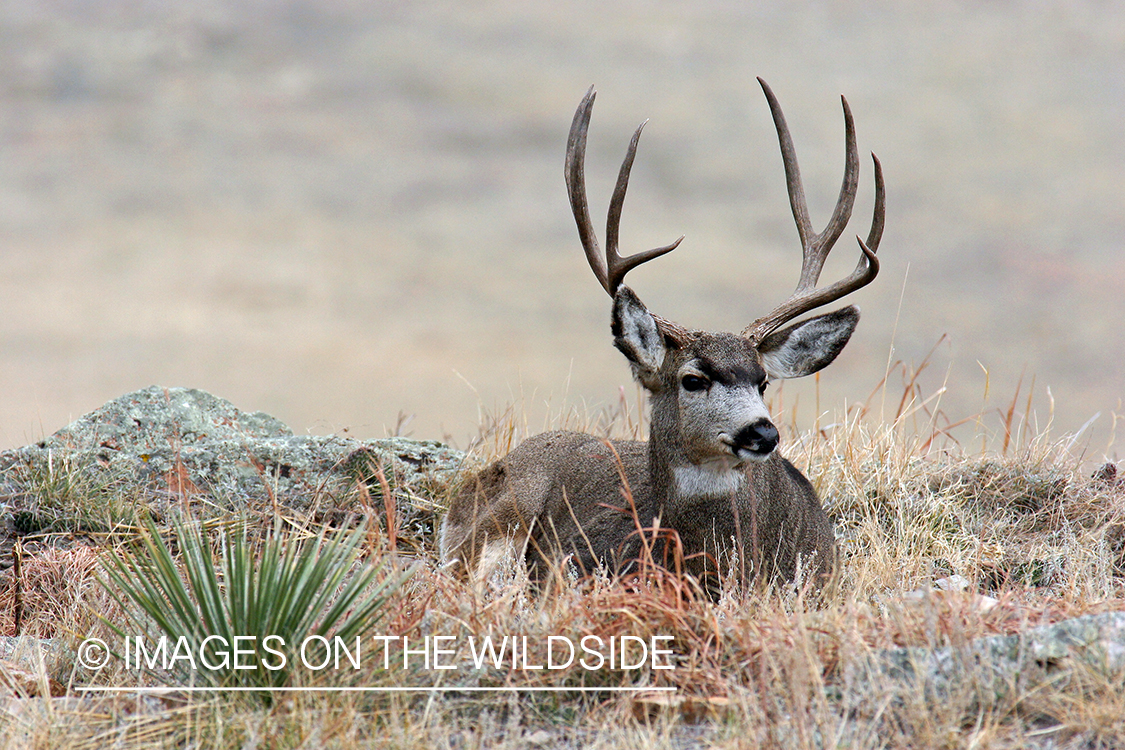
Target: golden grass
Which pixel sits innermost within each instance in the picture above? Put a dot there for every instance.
(942, 542)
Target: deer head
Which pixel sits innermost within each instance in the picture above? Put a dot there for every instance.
(709, 416)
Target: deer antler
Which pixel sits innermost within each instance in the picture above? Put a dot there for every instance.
(610, 272)
(815, 247)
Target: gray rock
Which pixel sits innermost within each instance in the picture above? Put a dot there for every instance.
(160, 446)
(49, 655)
(995, 666)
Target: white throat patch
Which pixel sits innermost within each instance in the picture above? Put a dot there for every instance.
(707, 481)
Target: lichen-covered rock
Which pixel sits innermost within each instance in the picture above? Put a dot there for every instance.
(160, 446)
(995, 666)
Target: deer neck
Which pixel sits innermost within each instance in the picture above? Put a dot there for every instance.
(678, 482)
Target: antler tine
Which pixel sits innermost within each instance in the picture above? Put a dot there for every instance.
(815, 247)
(619, 266)
(610, 272)
(576, 187)
(879, 214)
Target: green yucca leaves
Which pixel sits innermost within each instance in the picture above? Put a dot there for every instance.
(286, 588)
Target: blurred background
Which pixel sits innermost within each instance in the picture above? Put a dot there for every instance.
(352, 215)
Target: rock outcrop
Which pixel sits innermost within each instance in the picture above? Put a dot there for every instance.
(161, 446)
(1000, 666)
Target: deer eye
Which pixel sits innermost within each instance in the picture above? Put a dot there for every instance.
(695, 383)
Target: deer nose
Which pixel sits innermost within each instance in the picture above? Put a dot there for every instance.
(759, 438)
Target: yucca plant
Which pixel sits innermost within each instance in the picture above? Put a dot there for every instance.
(287, 588)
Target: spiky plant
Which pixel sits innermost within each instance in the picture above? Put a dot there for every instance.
(285, 588)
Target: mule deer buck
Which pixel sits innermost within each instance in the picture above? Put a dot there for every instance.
(710, 471)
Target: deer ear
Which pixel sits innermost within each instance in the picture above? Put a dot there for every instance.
(810, 345)
(637, 336)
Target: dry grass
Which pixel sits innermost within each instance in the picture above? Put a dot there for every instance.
(1033, 537)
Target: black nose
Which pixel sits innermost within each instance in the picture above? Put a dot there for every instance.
(759, 438)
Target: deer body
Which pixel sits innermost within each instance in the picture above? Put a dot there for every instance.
(584, 477)
(709, 472)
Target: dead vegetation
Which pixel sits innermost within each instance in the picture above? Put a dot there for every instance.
(942, 543)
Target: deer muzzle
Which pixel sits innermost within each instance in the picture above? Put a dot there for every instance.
(756, 440)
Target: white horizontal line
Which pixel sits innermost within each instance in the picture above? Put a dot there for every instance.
(532, 689)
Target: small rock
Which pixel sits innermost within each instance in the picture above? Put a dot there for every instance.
(27, 664)
(690, 708)
(15, 680)
(1106, 475)
(952, 583)
(539, 738)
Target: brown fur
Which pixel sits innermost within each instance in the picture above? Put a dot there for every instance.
(552, 479)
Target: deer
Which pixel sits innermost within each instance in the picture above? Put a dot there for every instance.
(709, 478)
